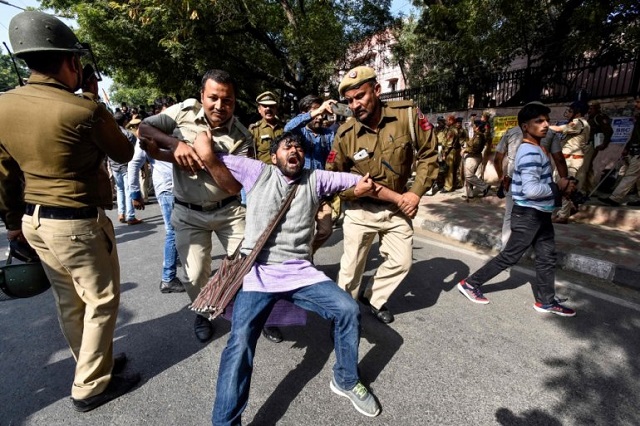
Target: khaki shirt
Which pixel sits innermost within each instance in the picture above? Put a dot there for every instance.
(58, 141)
(185, 121)
(387, 153)
(476, 144)
(575, 136)
(263, 135)
(452, 140)
(441, 135)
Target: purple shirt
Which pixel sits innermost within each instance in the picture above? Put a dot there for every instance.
(294, 273)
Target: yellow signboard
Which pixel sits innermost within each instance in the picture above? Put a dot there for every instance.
(501, 125)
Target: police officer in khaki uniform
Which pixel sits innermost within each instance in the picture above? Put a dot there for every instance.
(381, 141)
(599, 138)
(59, 209)
(451, 152)
(575, 142)
(268, 128)
(204, 203)
(441, 135)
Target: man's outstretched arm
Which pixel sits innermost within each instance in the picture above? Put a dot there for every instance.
(212, 164)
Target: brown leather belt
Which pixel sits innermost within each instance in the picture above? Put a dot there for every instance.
(577, 157)
(63, 213)
(214, 206)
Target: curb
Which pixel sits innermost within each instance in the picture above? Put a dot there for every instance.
(603, 269)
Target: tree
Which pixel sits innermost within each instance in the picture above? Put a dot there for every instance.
(133, 97)
(286, 45)
(467, 40)
(8, 77)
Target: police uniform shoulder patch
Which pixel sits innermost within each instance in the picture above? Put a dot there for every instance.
(254, 125)
(332, 157)
(423, 121)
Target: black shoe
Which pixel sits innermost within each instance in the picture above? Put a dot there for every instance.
(446, 191)
(203, 329)
(119, 363)
(118, 386)
(633, 203)
(383, 314)
(609, 201)
(364, 301)
(173, 286)
(272, 334)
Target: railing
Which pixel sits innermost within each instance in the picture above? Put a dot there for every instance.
(562, 83)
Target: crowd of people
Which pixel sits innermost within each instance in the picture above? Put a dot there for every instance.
(211, 174)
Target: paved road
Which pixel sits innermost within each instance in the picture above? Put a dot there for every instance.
(445, 361)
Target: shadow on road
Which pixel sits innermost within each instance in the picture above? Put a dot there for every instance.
(30, 339)
(426, 282)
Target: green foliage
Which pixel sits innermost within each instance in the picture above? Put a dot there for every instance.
(134, 97)
(8, 77)
(467, 40)
(289, 46)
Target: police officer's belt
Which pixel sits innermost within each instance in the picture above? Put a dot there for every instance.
(63, 213)
(214, 206)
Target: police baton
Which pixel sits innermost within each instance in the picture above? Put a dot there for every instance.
(615, 167)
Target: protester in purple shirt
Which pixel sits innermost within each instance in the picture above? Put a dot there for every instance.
(283, 270)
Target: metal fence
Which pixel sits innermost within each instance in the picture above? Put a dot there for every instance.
(559, 84)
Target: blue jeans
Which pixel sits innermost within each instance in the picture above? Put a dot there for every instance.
(529, 228)
(170, 260)
(250, 311)
(125, 203)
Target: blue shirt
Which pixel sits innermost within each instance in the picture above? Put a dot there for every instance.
(316, 146)
(533, 179)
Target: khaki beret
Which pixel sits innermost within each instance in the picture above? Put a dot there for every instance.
(356, 78)
(267, 98)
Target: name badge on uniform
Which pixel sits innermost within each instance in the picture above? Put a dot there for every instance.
(263, 137)
(361, 155)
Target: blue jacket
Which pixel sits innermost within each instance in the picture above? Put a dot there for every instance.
(316, 146)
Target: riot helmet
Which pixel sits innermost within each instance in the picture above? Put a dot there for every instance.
(33, 31)
(21, 280)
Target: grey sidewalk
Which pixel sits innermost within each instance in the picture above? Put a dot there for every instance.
(600, 240)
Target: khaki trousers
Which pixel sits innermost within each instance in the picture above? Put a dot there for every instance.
(453, 164)
(585, 175)
(81, 262)
(194, 230)
(472, 181)
(573, 166)
(363, 221)
(630, 179)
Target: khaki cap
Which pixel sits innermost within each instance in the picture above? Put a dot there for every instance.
(267, 98)
(133, 122)
(356, 78)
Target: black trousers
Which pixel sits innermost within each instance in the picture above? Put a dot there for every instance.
(529, 228)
